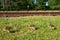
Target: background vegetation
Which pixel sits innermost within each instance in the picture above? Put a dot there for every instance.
(29, 5)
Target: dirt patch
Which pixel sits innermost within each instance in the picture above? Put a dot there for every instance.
(33, 26)
(18, 14)
(52, 26)
(10, 29)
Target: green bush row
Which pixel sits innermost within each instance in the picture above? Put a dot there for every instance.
(29, 5)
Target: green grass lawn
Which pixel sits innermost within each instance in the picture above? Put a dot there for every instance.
(26, 28)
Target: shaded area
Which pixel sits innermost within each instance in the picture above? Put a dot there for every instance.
(18, 5)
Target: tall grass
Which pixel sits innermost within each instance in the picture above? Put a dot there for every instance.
(26, 33)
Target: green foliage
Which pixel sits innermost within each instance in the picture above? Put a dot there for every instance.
(40, 4)
(16, 5)
(54, 4)
(22, 4)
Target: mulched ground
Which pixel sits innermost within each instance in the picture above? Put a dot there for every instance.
(29, 13)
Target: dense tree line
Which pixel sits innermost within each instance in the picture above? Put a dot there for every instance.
(29, 5)
(54, 4)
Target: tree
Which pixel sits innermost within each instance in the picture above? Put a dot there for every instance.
(40, 4)
(30, 3)
(54, 4)
(22, 4)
